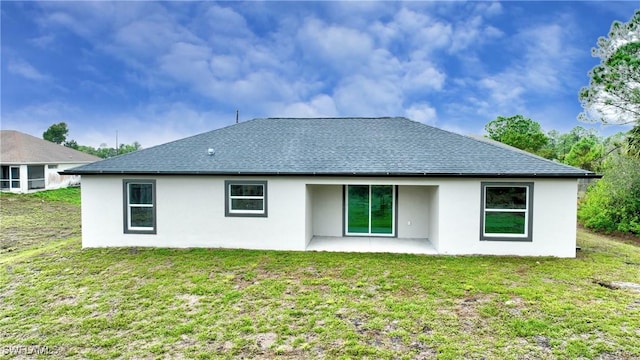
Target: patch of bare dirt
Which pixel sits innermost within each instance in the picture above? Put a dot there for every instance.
(515, 305)
(266, 340)
(64, 300)
(28, 221)
(626, 238)
(190, 301)
(617, 285)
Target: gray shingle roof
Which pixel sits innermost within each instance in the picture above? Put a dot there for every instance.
(20, 148)
(332, 146)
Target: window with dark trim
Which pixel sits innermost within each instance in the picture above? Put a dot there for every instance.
(35, 177)
(139, 206)
(370, 210)
(507, 211)
(10, 177)
(245, 198)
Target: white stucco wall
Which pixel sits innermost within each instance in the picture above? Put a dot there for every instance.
(413, 212)
(53, 180)
(308, 219)
(434, 217)
(327, 210)
(190, 213)
(554, 220)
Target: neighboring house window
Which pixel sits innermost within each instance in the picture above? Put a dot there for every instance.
(10, 178)
(507, 210)
(139, 206)
(35, 176)
(245, 198)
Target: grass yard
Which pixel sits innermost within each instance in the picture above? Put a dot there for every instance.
(210, 303)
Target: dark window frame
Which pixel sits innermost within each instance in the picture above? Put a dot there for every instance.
(36, 182)
(345, 209)
(125, 206)
(8, 181)
(228, 212)
(528, 236)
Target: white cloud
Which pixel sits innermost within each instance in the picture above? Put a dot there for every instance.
(542, 65)
(422, 112)
(424, 33)
(26, 70)
(319, 106)
(226, 22)
(225, 66)
(43, 41)
(144, 39)
(362, 96)
(422, 76)
(189, 64)
(489, 8)
(340, 48)
(505, 89)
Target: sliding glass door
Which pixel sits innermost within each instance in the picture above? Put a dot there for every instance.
(370, 210)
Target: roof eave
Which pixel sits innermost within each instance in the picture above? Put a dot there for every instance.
(36, 162)
(577, 175)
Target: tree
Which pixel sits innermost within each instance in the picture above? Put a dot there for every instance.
(72, 144)
(126, 148)
(56, 133)
(586, 154)
(613, 203)
(517, 131)
(633, 142)
(613, 94)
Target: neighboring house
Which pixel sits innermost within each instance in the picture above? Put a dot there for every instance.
(30, 164)
(353, 184)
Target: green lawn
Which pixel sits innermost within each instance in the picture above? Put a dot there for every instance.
(201, 303)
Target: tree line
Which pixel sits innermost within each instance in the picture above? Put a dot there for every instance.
(57, 133)
(580, 147)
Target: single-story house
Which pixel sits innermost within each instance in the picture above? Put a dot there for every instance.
(343, 184)
(31, 164)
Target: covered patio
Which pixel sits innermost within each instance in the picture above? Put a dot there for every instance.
(386, 217)
(371, 244)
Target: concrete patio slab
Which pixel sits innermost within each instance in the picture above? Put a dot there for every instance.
(371, 244)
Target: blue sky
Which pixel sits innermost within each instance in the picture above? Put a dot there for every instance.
(160, 71)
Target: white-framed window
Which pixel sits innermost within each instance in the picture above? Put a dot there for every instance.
(245, 198)
(507, 211)
(139, 206)
(10, 178)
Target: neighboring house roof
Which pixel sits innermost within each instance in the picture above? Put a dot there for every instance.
(20, 148)
(332, 146)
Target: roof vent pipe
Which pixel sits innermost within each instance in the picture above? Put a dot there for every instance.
(210, 151)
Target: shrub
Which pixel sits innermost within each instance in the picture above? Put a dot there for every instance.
(613, 203)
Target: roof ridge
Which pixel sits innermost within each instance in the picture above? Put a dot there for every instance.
(332, 118)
